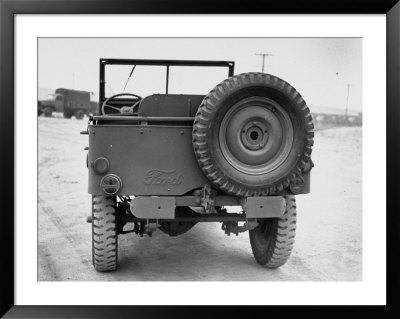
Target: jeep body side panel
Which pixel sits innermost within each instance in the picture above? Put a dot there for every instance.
(149, 159)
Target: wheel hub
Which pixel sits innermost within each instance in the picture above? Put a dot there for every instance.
(256, 135)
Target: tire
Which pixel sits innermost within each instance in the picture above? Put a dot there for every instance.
(48, 111)
(252, 135)
(273, 239)
(79, 114)
(67, 114)
(104, 233)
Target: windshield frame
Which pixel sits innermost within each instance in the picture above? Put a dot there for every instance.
(167, 63)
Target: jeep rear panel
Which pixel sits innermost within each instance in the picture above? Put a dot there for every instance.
(149, 159)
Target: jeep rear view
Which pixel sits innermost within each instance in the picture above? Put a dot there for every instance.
(167, 161)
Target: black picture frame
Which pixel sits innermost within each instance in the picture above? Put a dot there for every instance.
(8, 10)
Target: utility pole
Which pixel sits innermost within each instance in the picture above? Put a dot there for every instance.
(347, 100)
(73, 80)
(263, 55)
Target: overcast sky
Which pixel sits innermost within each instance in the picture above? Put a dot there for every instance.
(319, 68)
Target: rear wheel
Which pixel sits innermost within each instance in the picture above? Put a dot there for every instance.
(79, 114)
(272, 240)
(104, 233)
(48, 111)
(67, 114)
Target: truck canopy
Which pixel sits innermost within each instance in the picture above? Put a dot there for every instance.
(74, 95)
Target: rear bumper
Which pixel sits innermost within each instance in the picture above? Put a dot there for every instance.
(163, 207)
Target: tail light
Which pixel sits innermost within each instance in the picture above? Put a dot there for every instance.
(111, 184)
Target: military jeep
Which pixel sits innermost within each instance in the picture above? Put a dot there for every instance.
(168, 161)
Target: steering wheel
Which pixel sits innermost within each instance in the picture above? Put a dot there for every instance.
(121, 110)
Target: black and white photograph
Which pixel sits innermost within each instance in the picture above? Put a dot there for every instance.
(200, 159)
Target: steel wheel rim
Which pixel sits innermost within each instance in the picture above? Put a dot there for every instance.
(256, 135)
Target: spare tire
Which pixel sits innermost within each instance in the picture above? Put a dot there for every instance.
(252, 135)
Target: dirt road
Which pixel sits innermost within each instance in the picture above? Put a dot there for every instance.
(328, 242)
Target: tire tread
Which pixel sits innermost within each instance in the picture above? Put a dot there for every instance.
(281, 241)
(104, 233)
(203, 120)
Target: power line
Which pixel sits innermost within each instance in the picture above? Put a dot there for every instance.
(263, 55)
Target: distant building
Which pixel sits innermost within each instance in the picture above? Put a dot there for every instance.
(332, 110)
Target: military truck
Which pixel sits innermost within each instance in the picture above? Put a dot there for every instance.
(68, 102)
(169, 161)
